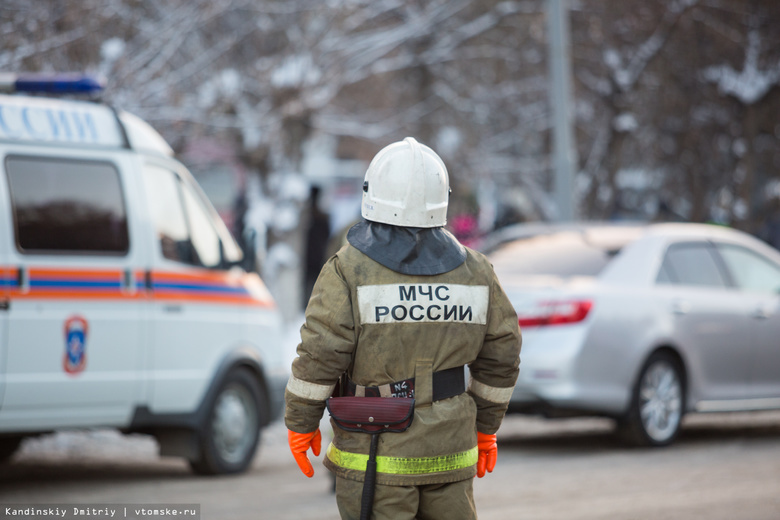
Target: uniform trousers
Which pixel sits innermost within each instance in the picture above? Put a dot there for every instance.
(452, 501)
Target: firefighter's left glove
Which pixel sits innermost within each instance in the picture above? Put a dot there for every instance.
(488, 453)
(299, 445)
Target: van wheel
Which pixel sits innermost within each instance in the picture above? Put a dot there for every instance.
(657, 403)
(8, 446)
(228, 439)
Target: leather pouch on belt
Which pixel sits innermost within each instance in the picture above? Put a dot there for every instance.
(371, 414)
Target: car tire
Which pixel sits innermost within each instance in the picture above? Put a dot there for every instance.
(228, 439)
(8, 446)
(657, 403)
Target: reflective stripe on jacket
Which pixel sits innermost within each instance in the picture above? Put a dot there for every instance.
(383, 326)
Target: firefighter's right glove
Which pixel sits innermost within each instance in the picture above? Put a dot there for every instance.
(299, 445)
(488, 453)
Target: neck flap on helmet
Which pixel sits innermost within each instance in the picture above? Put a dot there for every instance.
(408, 250)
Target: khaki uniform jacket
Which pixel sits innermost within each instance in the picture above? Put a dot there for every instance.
(384, 327)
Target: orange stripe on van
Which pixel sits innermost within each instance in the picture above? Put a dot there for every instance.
(209, 286)
(45, 272)
(75, 295)
(199, 286)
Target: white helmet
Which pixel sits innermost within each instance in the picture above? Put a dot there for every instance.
(406, 185)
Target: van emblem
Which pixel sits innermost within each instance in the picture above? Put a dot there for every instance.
(75, 359)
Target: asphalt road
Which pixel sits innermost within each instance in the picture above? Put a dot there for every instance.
(722, 467)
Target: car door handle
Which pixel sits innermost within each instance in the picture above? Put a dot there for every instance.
(173, 308)
(681, 307)
(761, 313)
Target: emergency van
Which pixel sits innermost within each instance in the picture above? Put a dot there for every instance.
(124, 300)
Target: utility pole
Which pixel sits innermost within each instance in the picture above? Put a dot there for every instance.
(564, 149)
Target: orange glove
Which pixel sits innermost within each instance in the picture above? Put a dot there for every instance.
(488, 453)
(300, 443)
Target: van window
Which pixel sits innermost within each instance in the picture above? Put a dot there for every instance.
(186, 230)
(205, 239)
(167, 212)
(67, 206)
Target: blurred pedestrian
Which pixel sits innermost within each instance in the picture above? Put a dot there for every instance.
(402, 309)
(769, 231)
(317, 238)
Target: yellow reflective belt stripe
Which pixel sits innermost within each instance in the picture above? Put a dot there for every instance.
(404, 466)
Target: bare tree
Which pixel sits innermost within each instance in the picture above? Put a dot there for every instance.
(681, 93)
(675, 99)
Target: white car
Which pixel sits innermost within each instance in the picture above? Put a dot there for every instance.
(642, 323)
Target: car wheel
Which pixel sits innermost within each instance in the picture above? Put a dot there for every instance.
(657, 403)
(228, 440)
(8, 446)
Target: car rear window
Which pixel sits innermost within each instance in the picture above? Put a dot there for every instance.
(564, 254)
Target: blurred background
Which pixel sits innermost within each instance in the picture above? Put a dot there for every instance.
(662, 110)
(543, 111)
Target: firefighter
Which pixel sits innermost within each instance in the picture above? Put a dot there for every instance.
(402, 309)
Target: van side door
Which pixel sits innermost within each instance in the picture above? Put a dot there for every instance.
(74, 317)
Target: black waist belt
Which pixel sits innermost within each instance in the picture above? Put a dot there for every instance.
(446, 383)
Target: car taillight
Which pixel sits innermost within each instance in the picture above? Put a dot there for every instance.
(555, 313)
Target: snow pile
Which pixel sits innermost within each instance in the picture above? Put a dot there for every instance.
(92, 445)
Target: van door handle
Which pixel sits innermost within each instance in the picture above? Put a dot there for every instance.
(23, 280)
(128, 281)
(173, 308)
